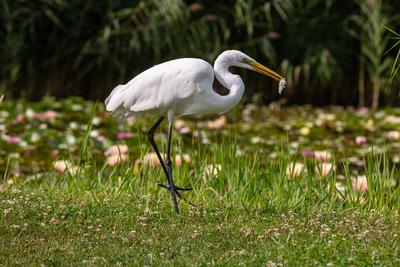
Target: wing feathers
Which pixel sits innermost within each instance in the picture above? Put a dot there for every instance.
(160, 88)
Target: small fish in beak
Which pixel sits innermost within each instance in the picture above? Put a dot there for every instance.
(282, 85)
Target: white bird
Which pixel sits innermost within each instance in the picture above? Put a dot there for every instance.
(183, 87)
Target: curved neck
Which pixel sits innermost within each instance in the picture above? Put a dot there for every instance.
(231, 82)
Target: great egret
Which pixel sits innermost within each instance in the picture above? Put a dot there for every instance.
(183, 87)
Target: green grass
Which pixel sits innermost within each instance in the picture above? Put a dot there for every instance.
(69, 229)
(249, 212)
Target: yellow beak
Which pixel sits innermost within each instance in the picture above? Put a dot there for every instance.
(266, 71)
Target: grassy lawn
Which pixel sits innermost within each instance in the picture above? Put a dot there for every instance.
(63, 229)
(288, 187)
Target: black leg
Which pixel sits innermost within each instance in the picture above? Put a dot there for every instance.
(168, 166)
(169, 169)
(150, 135)
(169, 161)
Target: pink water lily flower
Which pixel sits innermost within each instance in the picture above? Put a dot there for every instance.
(50, 115)
(184, 130)
(47, 115)
(324, 169)
(307, 153)
(393, 135)
(151, 160)
(54, 153)
(180, 159)
(100, 139)
(322, 155)
(20, 118)
(16, 173)
(116, 150)
(116, 159)
(360, 183)
(295, 169)
(62, 166)
(178, 124)
(360, 140)
(14, 140)
(218, 123)
(124, 135)
(116, 154)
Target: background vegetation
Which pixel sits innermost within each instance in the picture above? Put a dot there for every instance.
(332, 52)
(274, 185)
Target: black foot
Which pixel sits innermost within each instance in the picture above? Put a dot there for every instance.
(176, 189)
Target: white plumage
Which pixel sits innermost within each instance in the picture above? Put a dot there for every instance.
(183, 87)
(167, 88)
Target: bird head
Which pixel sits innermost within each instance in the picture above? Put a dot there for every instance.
(251, 64)
(242, 60)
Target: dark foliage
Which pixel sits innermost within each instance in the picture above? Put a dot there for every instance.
(63, 48)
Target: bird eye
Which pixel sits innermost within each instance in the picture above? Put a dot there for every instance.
(245, 60)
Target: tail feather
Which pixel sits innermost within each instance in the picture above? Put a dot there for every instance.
(115, 99)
